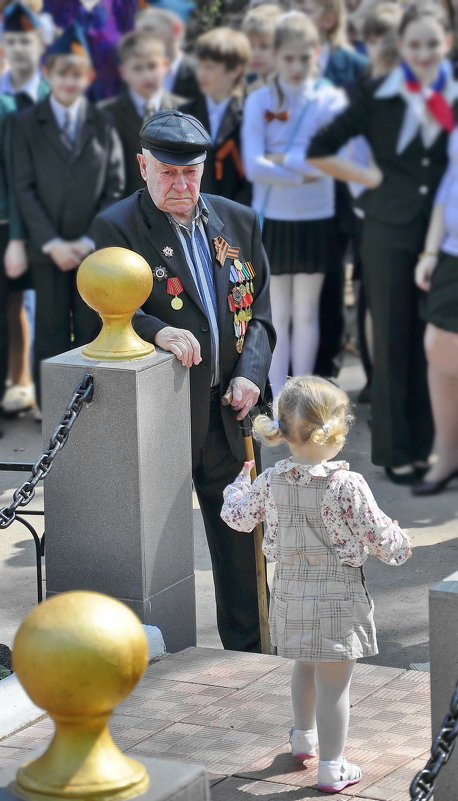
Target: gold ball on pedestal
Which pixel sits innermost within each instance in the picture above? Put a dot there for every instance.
(115, 282)
(78, 655)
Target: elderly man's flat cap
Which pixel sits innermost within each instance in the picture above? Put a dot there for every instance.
(175, 138)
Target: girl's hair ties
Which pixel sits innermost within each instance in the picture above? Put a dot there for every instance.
(276, 424)
(326, 427)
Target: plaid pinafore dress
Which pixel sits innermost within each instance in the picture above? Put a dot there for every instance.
(320, 610)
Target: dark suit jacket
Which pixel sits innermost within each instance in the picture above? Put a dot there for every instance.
(123, 115)
(59, 190)
(410, 179)
(233, 183)
(185, 84)
(136, 223)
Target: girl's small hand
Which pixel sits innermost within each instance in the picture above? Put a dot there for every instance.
(247, 467)
(424, 271)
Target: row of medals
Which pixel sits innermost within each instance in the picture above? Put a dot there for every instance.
(244, 315)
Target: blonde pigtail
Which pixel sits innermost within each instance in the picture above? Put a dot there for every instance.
(267, 431)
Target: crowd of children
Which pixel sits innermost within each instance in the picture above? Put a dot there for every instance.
(332, 119)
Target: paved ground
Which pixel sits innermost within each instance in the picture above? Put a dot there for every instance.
(230, 712)
(401, 594)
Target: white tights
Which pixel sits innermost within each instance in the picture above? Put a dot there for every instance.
(320, 696)
(295, 301)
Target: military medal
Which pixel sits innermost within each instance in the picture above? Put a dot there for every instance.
(233, 274)
(224, 250)
(160, 273)
(175, 288)
(167, 251)
(239, 344)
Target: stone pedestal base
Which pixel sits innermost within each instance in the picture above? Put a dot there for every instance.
(169, 781)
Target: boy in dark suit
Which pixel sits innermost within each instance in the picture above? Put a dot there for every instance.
(223, 56)
(169, 28)
(67, 165)
(21, 86)
(143, 66)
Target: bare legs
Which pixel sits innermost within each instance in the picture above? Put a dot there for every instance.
(442, 354)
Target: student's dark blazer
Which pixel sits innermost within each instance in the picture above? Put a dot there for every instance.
(233, 183)
(60, 190)
(410, 179)
(123, 115)
(185, 83)
(136, 223)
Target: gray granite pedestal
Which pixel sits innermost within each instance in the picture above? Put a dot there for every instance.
(443, 644)
(118, 501)
(169, 781)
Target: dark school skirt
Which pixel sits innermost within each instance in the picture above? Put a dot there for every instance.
(441, 302)
(301, 246)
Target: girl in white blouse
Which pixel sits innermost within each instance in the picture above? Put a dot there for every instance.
(294, 200)
(322, 522)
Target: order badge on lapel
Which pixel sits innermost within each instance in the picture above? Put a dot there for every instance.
(160, 272)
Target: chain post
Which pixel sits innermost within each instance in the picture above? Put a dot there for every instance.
(24, 494)
(424, 783)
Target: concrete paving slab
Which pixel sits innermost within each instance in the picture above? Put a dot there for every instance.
(236, 788)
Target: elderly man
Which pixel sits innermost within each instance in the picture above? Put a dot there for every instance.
(210, 307)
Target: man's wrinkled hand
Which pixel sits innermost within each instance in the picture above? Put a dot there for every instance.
(181, 343)
(245, 395)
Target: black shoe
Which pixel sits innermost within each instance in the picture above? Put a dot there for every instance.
(401, 478)
(433, 487)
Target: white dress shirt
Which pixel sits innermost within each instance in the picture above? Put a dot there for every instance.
(60, 114)
(216, 112)
(29, 88)
(153, 102)
(289, 197)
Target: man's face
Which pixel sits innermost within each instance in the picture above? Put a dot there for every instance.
(23, 50)
(173, 189)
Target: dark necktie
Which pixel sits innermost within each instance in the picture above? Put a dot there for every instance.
(67, 130)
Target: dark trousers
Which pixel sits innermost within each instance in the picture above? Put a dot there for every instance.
(232, 552)
(402, 428)
(62, 319)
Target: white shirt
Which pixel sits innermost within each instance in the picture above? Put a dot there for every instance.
(60, 114)
(153, 102)
(171, 73)
(289, 197)
(29, 88)
(416, 117)
(216, 112)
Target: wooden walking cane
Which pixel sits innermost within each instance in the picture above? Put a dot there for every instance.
(261, 576)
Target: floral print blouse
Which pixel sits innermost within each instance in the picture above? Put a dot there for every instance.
(355, 524)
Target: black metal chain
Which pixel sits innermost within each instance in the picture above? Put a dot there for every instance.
(424, 783)
(24, 494)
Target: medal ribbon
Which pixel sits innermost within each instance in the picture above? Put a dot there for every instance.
(174, 286)
(437, 105)
(224, 250)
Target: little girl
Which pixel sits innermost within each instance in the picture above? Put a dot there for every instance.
(295, 200)
(321, 523)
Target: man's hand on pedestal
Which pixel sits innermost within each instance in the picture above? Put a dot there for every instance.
(181, 343)
(244, 395)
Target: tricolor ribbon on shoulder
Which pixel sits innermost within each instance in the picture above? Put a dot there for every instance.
(435, 102)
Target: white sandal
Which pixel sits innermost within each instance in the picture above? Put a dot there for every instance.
(303, 743)
(335, 776)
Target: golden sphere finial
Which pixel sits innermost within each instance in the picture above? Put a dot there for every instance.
(115, 282)
(78, 655)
